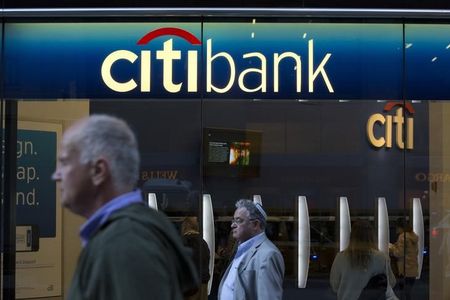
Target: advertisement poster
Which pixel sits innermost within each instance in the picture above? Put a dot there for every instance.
(38, 257)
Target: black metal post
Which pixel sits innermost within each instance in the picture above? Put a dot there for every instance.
(9, 201)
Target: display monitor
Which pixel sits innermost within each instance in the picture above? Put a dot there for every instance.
(231, 152)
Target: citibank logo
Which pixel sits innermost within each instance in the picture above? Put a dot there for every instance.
(168, 56)
(389, 121)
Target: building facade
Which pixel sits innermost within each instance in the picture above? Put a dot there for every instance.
(322, 115)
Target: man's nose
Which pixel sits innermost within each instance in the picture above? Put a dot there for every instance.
(55, 175)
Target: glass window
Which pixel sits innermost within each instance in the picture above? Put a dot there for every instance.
(426, 57)
(322, 122)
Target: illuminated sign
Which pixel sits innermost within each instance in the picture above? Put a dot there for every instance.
(168, 55)
(389, 122)
(228, 60)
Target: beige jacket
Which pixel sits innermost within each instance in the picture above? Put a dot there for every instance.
(406, 251)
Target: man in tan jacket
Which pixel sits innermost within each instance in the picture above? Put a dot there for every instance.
(406, 251)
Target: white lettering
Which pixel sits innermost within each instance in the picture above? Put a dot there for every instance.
(106, 71)
(146, 71)
(320, 69)
(228, 71)
(29, 198)
(276, 73)
(192, 71)
(25, 148)
(167, 56)
(209, 60)
(263, 71)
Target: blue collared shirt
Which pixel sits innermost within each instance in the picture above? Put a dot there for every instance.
(227, 292)
(102, 214)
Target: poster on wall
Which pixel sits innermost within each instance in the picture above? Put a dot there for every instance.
(38, 219)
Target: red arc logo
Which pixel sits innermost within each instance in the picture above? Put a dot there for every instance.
(389, 106)
(169, 31)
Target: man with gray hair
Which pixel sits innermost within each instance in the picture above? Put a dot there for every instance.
(130, 251)
(257, 269)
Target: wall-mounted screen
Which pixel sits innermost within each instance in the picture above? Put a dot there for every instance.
(231, 152)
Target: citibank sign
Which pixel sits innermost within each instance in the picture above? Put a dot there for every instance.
(399, 125)
(236, 74)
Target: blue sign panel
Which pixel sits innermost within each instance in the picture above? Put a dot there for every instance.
(427, 57)
(225, 60)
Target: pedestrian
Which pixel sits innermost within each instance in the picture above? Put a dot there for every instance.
(130, 251)
(257, 268)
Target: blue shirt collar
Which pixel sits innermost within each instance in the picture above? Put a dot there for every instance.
(102, 214)
(245, 246)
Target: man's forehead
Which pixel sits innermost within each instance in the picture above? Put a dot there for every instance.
(241, 211)
(75, 128)
(71, 134)
(69, 142)
(66, 150)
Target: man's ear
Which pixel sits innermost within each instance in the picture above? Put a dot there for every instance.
(100, 171)
(257, 224)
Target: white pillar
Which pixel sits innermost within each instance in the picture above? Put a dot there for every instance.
(151, 198)
(383, 226)
(418, 228)
(303, 241)
(208, 234)
(344, 223)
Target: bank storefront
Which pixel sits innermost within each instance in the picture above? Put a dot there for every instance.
(322, 118)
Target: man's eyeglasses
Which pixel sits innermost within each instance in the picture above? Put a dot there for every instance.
(239, 221)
